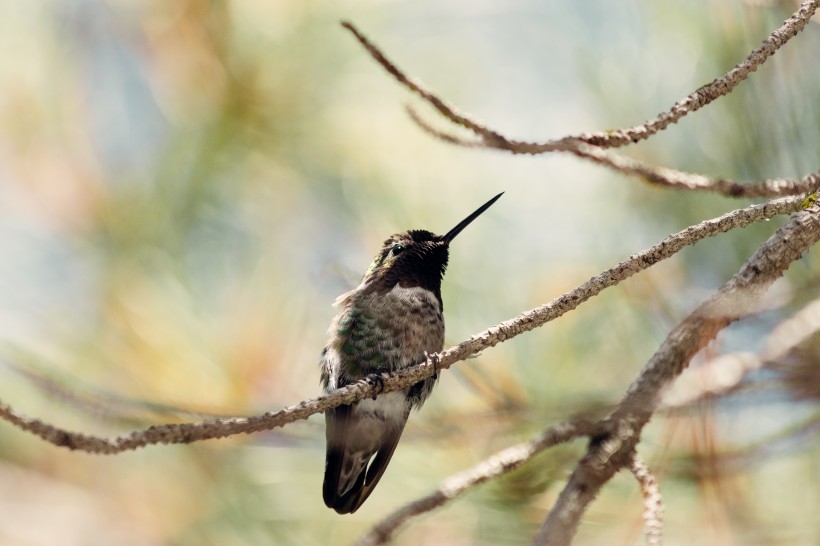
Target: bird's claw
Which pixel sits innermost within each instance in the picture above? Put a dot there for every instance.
(436, 359)
(378, 380)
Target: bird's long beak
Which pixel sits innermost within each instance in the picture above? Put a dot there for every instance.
(466, 222)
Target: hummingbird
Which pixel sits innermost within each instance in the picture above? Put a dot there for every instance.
(392, 320)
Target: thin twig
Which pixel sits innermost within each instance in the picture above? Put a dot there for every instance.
(664, 176)
(609, 139)
(501, 463)
(417, 87)
(590, 146)
(708, 93)
(734, 300)
(438, 133)
(652, 502)
(219, 428)
(661, 176)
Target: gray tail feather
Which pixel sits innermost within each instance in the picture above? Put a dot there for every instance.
(336, 495)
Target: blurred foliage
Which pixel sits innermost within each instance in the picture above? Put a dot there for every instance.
(186, 186)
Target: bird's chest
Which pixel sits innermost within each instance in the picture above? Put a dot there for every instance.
(389, 331)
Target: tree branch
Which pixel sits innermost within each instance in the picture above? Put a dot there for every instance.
(660, 176)
(609, 139)
(708, 93)
(590, 146)
(672, 178)
(734, 300)
(219, 428)
(446, 110)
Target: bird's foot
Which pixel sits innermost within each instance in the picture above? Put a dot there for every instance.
(436, 359)
(378, 380)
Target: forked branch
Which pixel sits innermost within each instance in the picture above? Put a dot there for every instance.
(735, 299)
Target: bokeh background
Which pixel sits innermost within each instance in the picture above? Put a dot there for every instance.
(186, 186)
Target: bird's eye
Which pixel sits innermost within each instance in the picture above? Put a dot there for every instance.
(397, 249)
